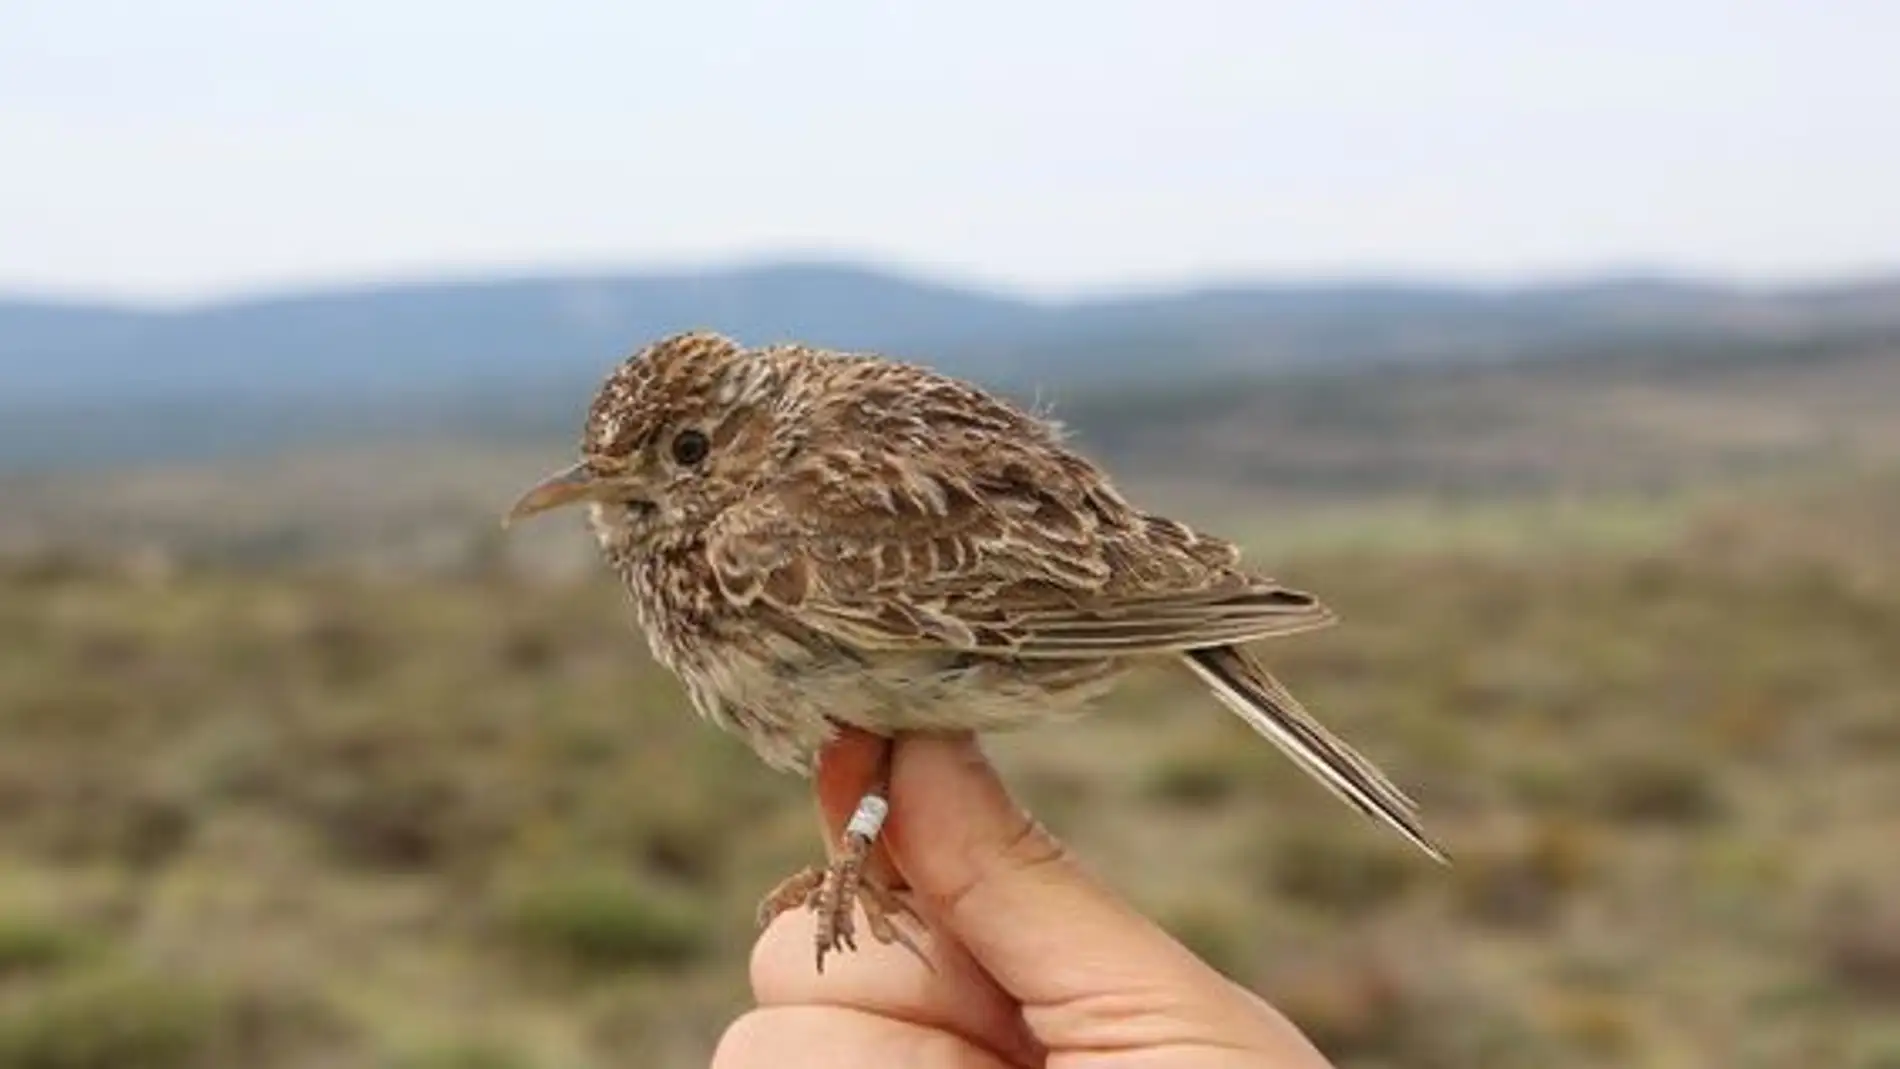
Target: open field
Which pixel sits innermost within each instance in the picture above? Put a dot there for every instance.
(302, 816)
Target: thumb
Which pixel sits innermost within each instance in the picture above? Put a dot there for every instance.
(1090, 971)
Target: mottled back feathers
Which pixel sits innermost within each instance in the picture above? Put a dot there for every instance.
(898, 508)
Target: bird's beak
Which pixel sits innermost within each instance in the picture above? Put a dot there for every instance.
(568, 486)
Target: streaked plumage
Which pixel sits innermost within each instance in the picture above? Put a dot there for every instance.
(867, 542)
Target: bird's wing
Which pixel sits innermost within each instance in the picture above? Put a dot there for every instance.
(1004, 543)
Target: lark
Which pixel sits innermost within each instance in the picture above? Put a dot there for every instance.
(814, 539)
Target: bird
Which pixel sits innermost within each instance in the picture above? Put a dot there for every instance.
(816, 539)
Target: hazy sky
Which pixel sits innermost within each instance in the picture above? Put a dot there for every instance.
(188, 148)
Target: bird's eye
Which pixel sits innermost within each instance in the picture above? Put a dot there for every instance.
(690, 447)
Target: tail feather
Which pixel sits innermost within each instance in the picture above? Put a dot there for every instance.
(1269, 709)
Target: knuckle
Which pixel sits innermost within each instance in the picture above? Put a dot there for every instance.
(1030, 847)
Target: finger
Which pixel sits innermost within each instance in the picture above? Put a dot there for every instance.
(836, 1037)
(955, 996)
(1090, 970)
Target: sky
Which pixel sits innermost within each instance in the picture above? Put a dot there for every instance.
(191, 149)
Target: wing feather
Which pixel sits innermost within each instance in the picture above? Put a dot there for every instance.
(1256, 697)
(973, 527)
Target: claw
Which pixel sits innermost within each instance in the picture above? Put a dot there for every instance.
(838, 898)
(800, 889)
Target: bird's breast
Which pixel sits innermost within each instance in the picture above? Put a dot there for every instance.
(670, 602)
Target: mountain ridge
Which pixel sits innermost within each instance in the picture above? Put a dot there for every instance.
(431, 335)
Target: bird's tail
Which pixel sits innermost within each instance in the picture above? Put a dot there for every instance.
(1260, 700)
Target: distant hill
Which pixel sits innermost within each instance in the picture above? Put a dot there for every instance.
(440, 337)
(104, 383)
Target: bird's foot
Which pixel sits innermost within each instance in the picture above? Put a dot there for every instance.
(838, 890)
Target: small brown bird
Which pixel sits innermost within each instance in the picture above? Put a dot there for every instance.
(814, 538)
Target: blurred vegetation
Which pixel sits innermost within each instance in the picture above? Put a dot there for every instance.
(281, 817)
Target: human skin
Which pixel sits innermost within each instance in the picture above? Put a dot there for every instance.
(1036, 962)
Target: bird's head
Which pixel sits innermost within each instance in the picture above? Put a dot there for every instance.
(676, 434)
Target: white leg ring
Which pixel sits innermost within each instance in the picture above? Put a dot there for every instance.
(868, 819)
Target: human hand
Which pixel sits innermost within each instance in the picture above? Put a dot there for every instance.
(1036, 963)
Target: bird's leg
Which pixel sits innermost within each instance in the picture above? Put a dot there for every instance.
(837, 890)
(848, 884)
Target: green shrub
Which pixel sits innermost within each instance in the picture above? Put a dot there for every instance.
(31, 945)
(1343, 871)
(1199, 778)
(1659, 789)
(110, 1021)
(603, 921)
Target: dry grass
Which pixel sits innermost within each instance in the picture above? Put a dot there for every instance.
(273, 819)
